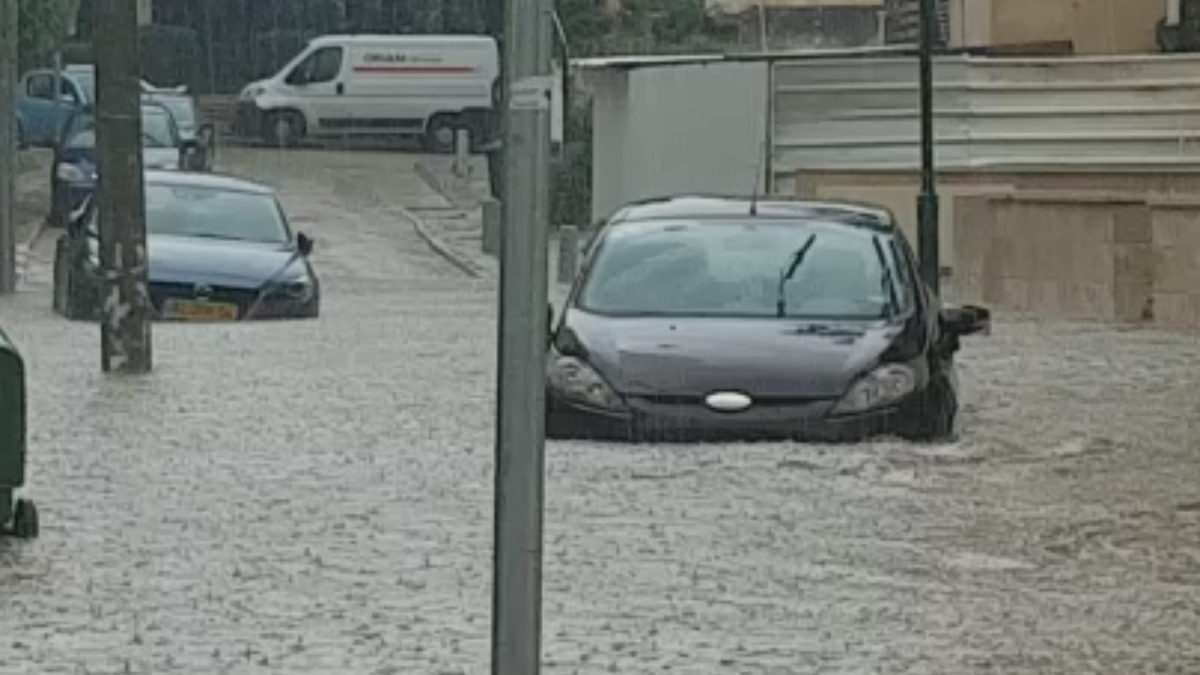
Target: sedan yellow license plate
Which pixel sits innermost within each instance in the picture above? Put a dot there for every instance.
(200, 310)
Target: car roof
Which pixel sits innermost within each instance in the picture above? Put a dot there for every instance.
(710, 206)
(212, 181)
(457, 40)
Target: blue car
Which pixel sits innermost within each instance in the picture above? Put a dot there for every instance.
(41, 114)
(73, 172)
(219, 249)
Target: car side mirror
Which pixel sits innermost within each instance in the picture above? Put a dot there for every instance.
(207, 134)
(967, 320)
(304, 244)
(191, 156)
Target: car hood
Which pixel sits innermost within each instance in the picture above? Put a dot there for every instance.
(764, 358)
(160, 158)
(152, 158)
(228, 264)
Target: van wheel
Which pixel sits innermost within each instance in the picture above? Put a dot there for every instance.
(284, 129)
(440, 133)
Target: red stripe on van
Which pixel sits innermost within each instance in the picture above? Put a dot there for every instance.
(414, 69)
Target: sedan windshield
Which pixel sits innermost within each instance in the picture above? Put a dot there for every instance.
(190, 211)
(181, 107)
(157, 130)
(735, 269)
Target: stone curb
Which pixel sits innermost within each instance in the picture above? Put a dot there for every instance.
(440, 247)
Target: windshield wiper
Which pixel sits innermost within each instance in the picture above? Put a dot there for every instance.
(789, 271)
(887, 282)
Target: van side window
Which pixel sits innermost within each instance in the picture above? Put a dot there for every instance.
(323, 65)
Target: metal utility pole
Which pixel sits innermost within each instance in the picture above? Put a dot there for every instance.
(521, 404)
(762, 27)
(8, 146)
(125, 311)
(927, 201)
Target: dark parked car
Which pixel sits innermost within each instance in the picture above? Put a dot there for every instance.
(219, 248)
(701, 318)
(191, 131)
(18, 517)
(73, 174)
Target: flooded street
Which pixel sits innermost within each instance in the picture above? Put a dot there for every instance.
(316, 497)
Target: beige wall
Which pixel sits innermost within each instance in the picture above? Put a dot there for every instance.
(1083, 255)
(897, 190)
(1094, 26)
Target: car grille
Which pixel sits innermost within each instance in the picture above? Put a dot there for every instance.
(242, 297)
(759, 401)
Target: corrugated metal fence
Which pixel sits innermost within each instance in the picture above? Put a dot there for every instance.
(1135, 112)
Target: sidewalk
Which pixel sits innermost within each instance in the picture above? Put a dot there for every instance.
(33, 191)
(459, 229)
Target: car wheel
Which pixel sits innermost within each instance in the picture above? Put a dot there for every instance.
(25, 520)
(284, 129)
(440, 133)
(935, 414)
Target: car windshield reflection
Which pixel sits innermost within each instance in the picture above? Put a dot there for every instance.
(213, 213)
(732, 269)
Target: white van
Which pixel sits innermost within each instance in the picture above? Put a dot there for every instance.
(348, 85)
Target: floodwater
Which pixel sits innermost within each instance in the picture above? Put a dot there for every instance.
(316, 496)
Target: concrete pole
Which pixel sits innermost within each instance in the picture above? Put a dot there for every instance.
(523, 326)
(8, 146)
(125, 328)
(1174, 12)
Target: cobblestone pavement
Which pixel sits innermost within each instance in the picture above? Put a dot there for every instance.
(315, 497)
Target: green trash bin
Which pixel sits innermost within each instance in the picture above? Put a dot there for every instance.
(18, 517)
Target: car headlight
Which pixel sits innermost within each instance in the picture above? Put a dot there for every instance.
(573, 379)
(69, 173)
(253, 92)
(300, 290)
(883, 386)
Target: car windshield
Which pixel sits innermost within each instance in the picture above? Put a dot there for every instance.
(181, 108)
(740, 269)
(191, 211)
(157, 131)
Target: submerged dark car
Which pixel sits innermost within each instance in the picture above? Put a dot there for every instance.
(706, 318)
(219, 248)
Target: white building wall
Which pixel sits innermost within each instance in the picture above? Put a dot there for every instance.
(666, 130)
